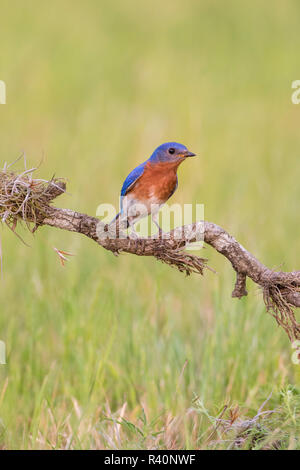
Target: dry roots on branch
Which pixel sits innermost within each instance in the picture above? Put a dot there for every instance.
(23, 198)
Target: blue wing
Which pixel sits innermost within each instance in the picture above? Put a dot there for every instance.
(129, 183)
(132, 179)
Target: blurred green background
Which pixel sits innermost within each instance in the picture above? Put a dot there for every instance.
(92, 88)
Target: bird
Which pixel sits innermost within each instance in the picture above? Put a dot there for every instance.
(150, 185)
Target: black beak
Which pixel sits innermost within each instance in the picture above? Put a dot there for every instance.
(189, 154)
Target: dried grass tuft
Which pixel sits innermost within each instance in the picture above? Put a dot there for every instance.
(24, 198)
(180, 259)
(281, 309)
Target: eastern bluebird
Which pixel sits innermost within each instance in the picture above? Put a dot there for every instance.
(151, 184)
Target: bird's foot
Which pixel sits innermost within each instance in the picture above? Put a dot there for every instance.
(133, 234)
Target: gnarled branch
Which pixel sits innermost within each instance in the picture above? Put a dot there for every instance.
(281, 290)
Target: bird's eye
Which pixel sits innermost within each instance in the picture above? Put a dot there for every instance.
(171, 150)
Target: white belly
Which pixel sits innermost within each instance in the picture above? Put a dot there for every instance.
(135, 209)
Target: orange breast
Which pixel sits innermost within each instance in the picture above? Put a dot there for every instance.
(157, 183)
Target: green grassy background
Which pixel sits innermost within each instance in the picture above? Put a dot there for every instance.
(92, 88)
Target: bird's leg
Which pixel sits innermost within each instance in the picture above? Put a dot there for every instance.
(133, 233)
(155, 218)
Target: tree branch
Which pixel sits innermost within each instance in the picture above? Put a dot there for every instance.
(281, 290)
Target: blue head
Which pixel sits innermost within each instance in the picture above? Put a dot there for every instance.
(171, 152)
